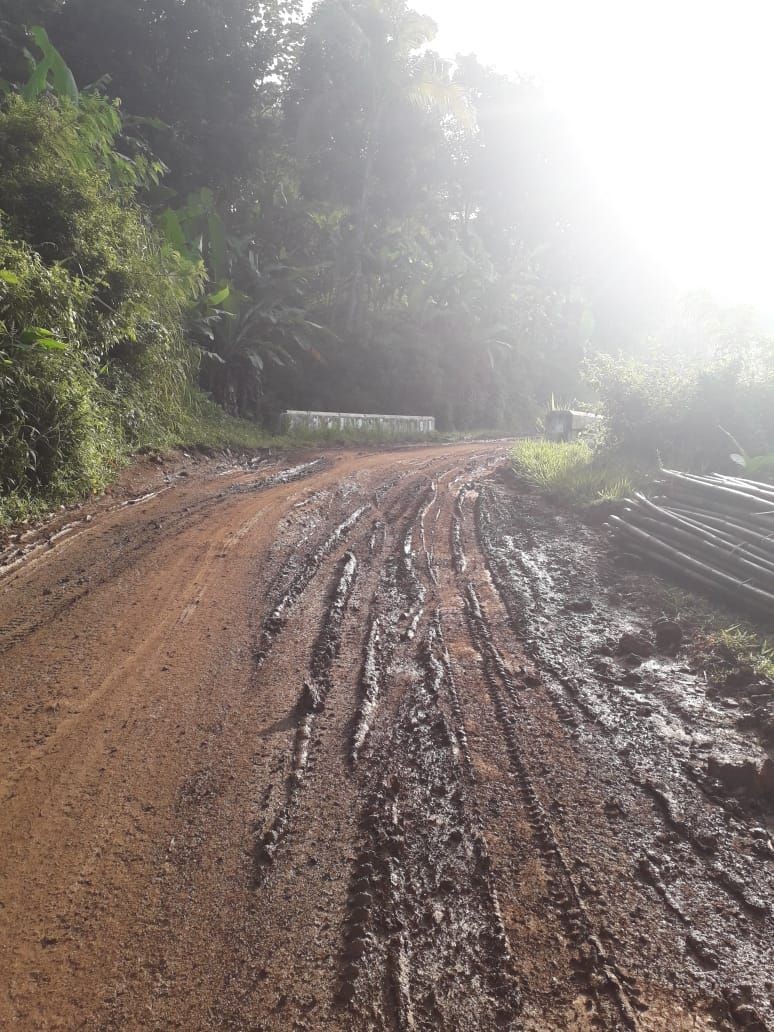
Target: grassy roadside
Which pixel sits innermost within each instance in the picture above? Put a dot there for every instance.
(205, 425)
(572, 473)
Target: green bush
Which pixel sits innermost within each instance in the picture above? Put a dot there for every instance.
(58, 196)
(58, 433)
(92, 355)
(688, 415)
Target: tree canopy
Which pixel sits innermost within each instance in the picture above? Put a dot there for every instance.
(392, 231)
(365, 224)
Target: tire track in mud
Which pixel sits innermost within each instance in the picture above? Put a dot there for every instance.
(302, 572)
(738, 884)
(616, 997)
(427, 552)
(122, 549)
(425, 945)
(278, 617)
(396, 609)
(390, 589)
(312, 700)
(382, 590)
(605, 981)
(370, 684)
(398, 582)
(26, 551)
(398, 868)
(440, 662)
(721, 864)
(285, 476)
(458, 554)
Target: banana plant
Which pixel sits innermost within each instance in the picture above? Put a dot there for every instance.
(254, 314)
(49, 72)
(100, 122)
(197, 231)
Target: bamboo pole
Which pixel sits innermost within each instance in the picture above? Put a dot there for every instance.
(737, 542)
(722, 530)
(709, 551)
(759, 598)
(763, 541)
(756, 487)
(761, 521)
(718, 491)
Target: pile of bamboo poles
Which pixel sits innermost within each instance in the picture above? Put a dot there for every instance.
(717, 531)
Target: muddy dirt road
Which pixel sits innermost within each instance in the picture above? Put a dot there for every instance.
(344, 743)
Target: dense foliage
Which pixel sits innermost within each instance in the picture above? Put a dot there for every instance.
(703, 392)
(91, 302)
(318, 214)
(382, 247)
(210, 72)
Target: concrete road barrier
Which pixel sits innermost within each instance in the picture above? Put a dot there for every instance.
(390, 426)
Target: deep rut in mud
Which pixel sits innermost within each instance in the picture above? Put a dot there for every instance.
(343, 744)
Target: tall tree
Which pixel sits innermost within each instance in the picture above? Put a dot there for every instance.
(366, 109)
(426, 230)
(209, 69)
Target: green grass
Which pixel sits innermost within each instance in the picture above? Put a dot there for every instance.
(721, 649)
(209, 426)
(759, 467)
(747, 648)
(571, 472)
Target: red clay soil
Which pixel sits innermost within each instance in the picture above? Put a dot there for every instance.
(347, 743)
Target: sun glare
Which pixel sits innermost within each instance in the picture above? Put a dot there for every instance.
(671, 103)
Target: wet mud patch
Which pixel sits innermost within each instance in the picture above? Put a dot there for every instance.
(636, 711)
(310, 704)
(425, 946)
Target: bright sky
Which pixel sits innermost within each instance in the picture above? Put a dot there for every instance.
(673, 103)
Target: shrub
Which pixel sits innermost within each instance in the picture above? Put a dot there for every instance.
(688, 415)
(721, 650)
(60, 199)
(92, 355)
